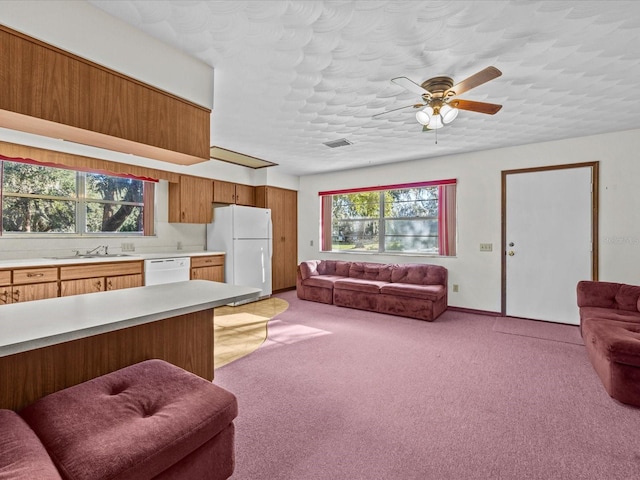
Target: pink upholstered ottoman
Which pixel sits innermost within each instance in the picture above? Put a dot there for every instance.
(151, 420)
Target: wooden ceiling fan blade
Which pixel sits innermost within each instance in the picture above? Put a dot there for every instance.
(410, 85)
(416, 105)
(473, 81)
(480, 107)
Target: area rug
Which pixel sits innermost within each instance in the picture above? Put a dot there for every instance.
(240, 330)
(339, 393)
(556, 332)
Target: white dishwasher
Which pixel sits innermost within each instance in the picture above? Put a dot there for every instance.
(166, 270)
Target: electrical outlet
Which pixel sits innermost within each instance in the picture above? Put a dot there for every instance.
(179, 246)
(486, 247)
(456, 288)
(127, 247)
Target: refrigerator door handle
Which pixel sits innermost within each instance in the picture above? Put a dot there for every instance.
(270, 239)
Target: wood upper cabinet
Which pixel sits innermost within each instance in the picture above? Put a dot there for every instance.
(98, 277)
(238, 193)
(284, 217)
(210, 267)
(190, 200)
(66, 96)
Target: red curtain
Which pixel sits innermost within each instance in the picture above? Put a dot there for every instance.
(447, 220)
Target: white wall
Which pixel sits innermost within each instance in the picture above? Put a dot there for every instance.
(479, 208)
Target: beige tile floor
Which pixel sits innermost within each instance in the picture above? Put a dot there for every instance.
(240, 330)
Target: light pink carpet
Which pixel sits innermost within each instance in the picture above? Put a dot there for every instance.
(338, 393)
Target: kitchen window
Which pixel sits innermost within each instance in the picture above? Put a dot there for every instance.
(416, 218)
(46, 199)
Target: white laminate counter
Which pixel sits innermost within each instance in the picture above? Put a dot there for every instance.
(47, 261)
(30, 325)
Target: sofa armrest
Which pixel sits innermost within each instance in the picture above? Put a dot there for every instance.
(308, 269)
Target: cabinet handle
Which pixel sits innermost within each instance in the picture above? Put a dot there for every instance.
(109, 285)
(99, 285)
(208, 261)
(32, 275)
(5, 296)
(16, 295)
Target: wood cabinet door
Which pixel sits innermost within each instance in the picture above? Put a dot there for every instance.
(245, 195)
(284, 217)
(34, 291)
(119, 282)
(84, 285)
(5, 295)
(214, 273)
(290, 233)
(224, 192)
(191, 200)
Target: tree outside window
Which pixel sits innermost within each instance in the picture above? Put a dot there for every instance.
(48, 200)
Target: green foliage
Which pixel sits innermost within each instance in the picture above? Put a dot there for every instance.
(44, 199)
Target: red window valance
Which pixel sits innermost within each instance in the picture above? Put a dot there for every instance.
(80, 169)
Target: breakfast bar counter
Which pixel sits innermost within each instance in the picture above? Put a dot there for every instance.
(47, 345)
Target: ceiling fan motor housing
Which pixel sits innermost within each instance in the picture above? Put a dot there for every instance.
(437, 85)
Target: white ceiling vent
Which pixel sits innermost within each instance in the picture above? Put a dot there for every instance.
(343, 142)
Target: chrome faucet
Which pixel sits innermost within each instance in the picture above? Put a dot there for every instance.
(97, 250)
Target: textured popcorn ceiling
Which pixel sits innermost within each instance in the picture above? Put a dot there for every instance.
(291, 75)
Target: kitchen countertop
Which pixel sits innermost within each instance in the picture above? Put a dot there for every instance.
(40, 323)
(44, 261)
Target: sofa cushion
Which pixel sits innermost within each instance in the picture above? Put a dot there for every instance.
(130, 424)
(358, 285)
(425, 292)
(22, 456)
(370, 271)
(322, 281)
(620, 341)
(419, 274)
(334, 267)
(309, 268)
(597, 314)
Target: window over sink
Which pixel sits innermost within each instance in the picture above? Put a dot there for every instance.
(45, 199)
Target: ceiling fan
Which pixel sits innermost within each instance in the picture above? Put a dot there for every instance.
(440, 104)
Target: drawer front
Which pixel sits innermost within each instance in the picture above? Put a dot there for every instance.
(5, 277)
(73, 272)
(35, 275)
(208, 261)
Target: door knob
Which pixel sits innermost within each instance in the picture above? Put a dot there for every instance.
(511, 253)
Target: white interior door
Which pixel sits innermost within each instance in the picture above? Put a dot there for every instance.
(548, 242)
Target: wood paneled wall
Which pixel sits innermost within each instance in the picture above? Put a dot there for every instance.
(45, 88)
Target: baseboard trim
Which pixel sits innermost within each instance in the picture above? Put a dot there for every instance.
(477, 312)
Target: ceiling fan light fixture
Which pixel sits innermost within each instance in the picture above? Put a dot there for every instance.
(448, 113)
(424, 116)
(436, 122)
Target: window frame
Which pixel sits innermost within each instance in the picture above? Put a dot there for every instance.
(446, 218)
(82, 200)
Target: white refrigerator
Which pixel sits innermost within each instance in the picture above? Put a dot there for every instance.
(244, 234)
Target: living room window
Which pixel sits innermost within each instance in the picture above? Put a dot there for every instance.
(48, 199)
(416, 218)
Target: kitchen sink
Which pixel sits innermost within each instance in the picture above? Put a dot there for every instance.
(90, 255)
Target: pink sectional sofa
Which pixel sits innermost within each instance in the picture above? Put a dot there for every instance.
(410, 290)
(151, 420)
(610, 327)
